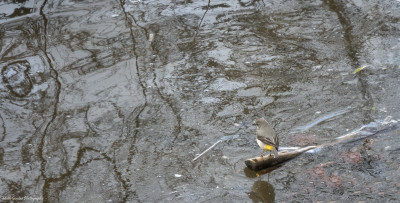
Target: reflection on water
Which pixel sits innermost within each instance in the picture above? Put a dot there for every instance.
(253, 174)
(16, 8)
(262, 191)
(20, 12)
(15, 77)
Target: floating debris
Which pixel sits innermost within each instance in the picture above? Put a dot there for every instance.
(151, 37)
(359, 69)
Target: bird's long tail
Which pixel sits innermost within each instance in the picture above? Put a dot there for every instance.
(275, 152)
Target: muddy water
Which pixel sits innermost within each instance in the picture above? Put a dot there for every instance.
(109, 101)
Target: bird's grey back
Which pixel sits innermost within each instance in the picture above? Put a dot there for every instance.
(267, 131)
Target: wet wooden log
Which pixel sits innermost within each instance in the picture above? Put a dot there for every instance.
(259, 163)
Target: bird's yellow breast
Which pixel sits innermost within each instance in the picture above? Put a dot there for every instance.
(269, 147)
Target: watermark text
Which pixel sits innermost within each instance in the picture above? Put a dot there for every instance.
(25, 198)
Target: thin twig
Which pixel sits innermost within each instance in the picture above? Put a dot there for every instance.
(212, 146)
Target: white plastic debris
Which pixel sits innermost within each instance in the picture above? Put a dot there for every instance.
(151, 37)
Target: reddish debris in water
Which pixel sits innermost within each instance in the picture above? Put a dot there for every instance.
(335, 180)
(302, 139)
(319, 171)
(352, 157)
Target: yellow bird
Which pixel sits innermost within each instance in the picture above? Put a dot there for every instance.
(266, 137)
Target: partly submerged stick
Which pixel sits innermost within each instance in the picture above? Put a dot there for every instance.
(259, 163)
